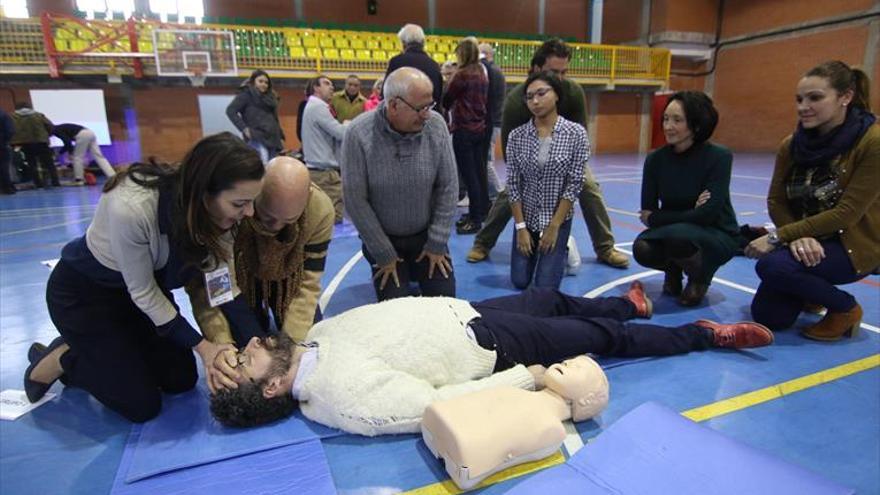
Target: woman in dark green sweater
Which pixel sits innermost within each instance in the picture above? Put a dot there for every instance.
(686, 201)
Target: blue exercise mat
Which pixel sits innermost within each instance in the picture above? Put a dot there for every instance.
(186, 435)
(300, 468)
(653, 449)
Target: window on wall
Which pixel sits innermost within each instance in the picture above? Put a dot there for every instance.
(182, 9)
(105, 8)
(14, 8)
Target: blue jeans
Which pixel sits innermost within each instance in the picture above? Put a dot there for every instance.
(546, 326)
(266, 154)
(786, 284)
(540, 269)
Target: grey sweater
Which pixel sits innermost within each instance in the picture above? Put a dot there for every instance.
(321, 135)
(398, 184)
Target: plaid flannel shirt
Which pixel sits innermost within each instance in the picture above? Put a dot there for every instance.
(540, 189)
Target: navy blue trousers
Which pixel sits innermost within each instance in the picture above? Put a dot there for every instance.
(545, 326)
(786, 284)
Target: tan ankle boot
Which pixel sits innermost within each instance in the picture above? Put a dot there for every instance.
(834, 326)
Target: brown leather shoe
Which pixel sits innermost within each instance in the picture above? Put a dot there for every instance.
(477, 254)
(693, 294)
(672, 282)
(614, 258)
(636, 295)
(835, 326)
(740, 335)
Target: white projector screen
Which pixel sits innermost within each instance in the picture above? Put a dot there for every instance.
(212, 111)
(74, 106)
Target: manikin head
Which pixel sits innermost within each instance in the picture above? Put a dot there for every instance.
(582, 383)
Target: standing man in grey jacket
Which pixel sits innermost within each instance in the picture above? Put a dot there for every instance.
(399, 181)
(321, 138)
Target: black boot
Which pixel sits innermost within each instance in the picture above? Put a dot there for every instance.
(696, 288)
(672, 280)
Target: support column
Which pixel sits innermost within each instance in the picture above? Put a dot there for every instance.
(645, 122)
(593, 117)
(872, 46)
(432, 14)
(542, 8)
(596, 22)
(298, 10)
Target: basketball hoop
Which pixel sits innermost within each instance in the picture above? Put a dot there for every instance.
(196, 78)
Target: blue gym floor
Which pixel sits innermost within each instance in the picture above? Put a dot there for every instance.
(826, 418)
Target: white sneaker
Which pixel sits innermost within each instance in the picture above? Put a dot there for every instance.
(573, 263)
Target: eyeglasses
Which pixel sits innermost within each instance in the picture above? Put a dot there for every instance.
(539, 93)
(243, 362)
(427, 107)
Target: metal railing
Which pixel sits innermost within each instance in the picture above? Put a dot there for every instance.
(77, 46)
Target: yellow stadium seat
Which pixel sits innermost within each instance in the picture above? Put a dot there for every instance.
(297, 52)
(372, 44)
(309, 41)
(347, 54)
(364, 55)
(357, 44)
(439, 57)
(313, 52)
(340, 43)
(331, 53)
(326, 42)
(452, 58)
(293, 40)
(389, 45)
(380, 55)
(429, 46)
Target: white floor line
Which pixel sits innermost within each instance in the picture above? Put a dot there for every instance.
(746, 213)
(46, 227)
(324, 300)
(750, 177)
(622, 212)
(573, 441)
(746, 195)
(620, 281)
(48, 208)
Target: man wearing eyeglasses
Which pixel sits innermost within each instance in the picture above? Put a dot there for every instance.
(400, 185)
(554, 55)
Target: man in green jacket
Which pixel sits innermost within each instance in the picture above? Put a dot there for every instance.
(553, 55)
(349, 102)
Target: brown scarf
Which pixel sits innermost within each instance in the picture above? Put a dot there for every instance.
(275, 259)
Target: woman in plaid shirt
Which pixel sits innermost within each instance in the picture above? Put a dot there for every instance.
(545, 173)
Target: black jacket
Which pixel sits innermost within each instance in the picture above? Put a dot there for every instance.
(259, 113)
(67, 134)
(497, 92)
(415, 56)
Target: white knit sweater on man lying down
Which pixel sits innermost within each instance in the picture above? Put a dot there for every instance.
(379, 366)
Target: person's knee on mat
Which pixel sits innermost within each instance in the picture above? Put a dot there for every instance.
(141, 409)
(648, 254)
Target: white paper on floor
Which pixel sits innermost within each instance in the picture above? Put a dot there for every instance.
(14, 403)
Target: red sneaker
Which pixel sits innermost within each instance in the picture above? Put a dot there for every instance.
(740, 335)
(636, 295)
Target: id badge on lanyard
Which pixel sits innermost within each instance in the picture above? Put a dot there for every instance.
(219, 286)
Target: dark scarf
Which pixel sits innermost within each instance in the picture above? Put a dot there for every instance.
(268, 98)
(272, 259)
(809, 149)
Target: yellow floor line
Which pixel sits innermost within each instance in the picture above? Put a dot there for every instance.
(750, 399)
(697, 414)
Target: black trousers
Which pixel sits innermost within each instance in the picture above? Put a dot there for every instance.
(115, 353)
(470, 156)
(545, 326)
(41, 162)
(408, 249)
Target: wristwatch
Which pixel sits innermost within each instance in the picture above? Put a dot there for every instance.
(519, 225)
(773, 238)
